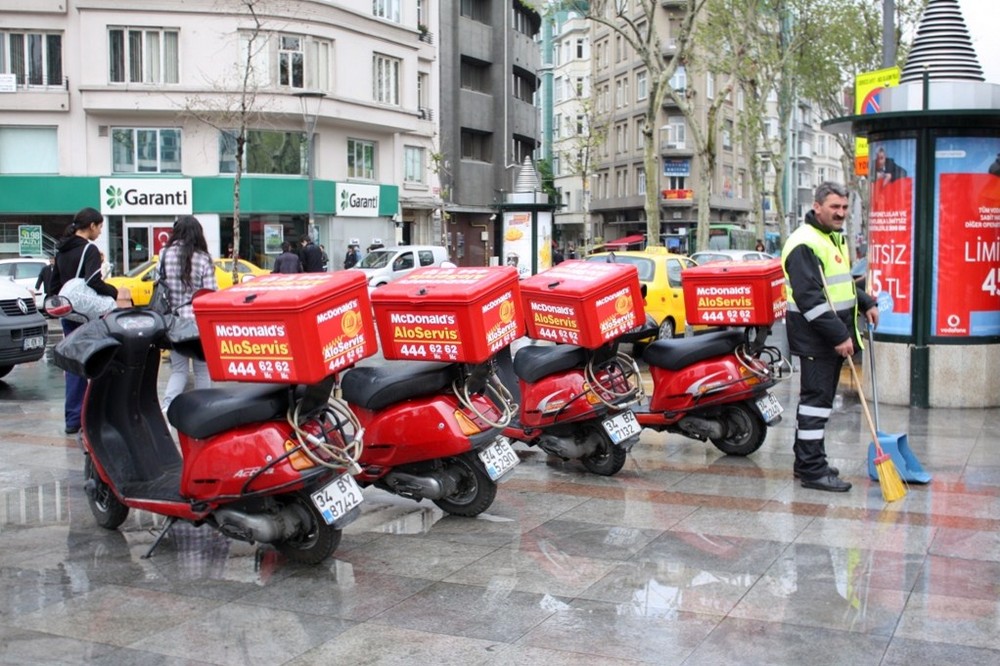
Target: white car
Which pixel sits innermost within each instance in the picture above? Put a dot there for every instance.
(711, 256)
(24, 271)
(388, 264)
(23, 331)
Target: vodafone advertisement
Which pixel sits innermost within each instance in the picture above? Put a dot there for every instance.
(965, 300)
(892, 166)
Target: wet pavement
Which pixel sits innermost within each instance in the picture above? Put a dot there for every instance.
(686, 557)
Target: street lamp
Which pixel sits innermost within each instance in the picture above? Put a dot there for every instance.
(310, 101)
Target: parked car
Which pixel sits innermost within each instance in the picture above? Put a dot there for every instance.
(711, 256)
(140, 280)
(660, 272)
(23, 331)
(388, 264)
(24, 271)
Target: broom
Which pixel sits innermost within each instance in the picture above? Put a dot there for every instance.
(888, 476)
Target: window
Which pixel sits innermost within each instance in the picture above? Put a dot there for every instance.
(475, 75)
(579, 86)
(640, 181)
(710, 85)
(579, 49)
(641, 86)
(679, 80)
(361, 159)
(523, 87)
(477, 145)
(265, 152)
(521, 148)
(29, 150)
(426, 257)
(386, 9)
(35, 59)
(413, 164)
(385, 77)
(727, 135)
(477, 10)
(143, 55)
(291, 62)
(678, 132)
(524, 23)
(135, 150)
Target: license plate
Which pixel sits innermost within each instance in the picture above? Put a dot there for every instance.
(769, 407)
(499, 458)
(621, 427)
(34, 342)
(336, 499)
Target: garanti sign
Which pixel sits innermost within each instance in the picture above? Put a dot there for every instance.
(146, 196)
(356, 200)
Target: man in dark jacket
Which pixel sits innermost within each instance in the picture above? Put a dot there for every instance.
(312, 256)
(287, 261)
(822, 325)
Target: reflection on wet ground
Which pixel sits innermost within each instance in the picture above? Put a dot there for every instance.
(684, 557)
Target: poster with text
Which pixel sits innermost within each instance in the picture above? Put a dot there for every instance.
(965, 298)
(890, 233)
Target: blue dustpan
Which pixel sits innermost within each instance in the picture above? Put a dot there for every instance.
(897, 446)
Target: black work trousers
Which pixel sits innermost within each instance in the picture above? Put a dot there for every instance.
(819, 378)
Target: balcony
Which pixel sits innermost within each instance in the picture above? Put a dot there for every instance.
(675, 149)
(676, 198)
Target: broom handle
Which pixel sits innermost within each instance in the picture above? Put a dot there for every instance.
(864, 404)
(854, 371)
(871, 360)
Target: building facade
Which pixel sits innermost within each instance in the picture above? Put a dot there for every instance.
(489, 63)
(136, 109)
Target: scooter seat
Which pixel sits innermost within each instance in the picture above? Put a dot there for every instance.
(377, 387)
(202, 413)
(678, 353)
(533, 362)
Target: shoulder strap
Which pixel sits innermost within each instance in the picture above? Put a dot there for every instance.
(83, 256)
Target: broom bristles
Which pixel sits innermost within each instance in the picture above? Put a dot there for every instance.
(888, 478)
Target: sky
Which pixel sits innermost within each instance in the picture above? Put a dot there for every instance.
(982, 17)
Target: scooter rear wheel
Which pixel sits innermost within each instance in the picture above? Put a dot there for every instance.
(745, 430)
(606, 461)
(476, 490)
(108, 511)
(315, 542)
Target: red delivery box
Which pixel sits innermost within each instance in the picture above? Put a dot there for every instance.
(449, 314)
(287, 329)
(583, 302)
(735, 293)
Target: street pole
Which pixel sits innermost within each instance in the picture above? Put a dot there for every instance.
(310, 114)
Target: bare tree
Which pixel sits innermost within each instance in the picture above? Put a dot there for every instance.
(577, 153)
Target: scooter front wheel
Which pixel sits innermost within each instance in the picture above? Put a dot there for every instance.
(316, 541)
(108, 511)
(476, 490)
(745, 430)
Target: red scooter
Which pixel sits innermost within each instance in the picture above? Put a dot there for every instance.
(259, 462)
(431, 431)
(714, 387)
(575, 401)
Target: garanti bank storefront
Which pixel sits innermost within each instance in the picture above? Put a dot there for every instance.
(139, 213)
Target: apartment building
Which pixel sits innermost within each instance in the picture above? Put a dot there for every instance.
(489, 62)
(134, 109)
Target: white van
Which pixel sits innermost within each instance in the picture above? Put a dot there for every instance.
(387, 264)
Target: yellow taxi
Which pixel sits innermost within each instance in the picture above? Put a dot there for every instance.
(140, 280)
(660, 272)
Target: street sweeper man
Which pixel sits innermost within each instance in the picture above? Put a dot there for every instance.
(822, 327)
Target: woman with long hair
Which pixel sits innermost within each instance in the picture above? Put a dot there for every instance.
(74, 255)
(187, 268)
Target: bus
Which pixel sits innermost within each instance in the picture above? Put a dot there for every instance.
(725, 237)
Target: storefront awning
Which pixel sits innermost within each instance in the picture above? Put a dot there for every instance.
(634, 239)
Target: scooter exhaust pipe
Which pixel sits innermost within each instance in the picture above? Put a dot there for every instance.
(431, 487)
(262, 528)
(701, 428)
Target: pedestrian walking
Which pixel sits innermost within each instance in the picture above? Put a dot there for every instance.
(43, 284)
(287, 261)
(187, 268)
(312, 257)
(77, 249)
(823, 307)
(352, 257)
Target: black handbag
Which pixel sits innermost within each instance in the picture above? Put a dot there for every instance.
(159, 301)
